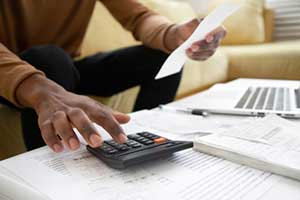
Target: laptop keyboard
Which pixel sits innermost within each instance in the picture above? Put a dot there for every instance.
(265, 98)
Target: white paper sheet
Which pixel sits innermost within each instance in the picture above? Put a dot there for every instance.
(180, 123)
(270, 144)
(186, 175)
(13, 189)
(177, 59)
(271, 130)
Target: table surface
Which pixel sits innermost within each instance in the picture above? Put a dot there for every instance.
(285, 186)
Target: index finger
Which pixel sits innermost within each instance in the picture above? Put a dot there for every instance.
(85, 126)
(110, 124)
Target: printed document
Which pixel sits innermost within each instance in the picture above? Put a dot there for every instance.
(186, 175)
(181, 124)
(177, 59)
(271, 144)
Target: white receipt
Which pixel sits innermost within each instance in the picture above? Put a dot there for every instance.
(177, 59)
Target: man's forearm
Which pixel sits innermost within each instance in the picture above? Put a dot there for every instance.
(170, 39)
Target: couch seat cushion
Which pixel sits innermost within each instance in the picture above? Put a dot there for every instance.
(201, 75)
(246, 26)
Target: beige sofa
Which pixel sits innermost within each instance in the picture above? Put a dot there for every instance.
(270, 60)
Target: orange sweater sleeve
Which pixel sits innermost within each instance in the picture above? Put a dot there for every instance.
(12, 72)
(145, 25)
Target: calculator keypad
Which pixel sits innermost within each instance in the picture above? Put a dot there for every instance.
(139, 148)
(135, 141)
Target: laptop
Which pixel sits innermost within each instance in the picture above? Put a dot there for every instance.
(255, 98)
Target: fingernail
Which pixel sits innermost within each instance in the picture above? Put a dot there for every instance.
(73, 143)
(209, 39)
(95, 140)
(195, 48)
(57, 148)
(122, 138)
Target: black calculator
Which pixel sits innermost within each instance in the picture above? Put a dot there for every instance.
(140, 147)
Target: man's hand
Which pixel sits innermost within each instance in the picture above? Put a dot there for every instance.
(200, 50)
(59, 111)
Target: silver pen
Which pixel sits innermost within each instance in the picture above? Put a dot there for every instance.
(185, 110)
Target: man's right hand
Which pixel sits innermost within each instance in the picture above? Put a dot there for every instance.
(59, 111)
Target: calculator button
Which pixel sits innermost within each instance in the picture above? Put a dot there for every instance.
(144, 134)
(112, 151)
(112, 143)
(152, 136)
(107, 149)
(160, 140)
(148, 142)
(136, 145)
(123, 148)
(132, 143)
(105, 146)
(133, 137)
(148, 135)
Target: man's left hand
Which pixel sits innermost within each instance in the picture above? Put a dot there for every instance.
(200, 50)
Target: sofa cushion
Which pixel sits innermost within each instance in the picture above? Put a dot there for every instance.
(175, 11)
(278, 60)
(246, 26)
(104, 33)
(123, 101)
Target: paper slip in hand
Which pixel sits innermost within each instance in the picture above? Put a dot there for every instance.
(215, 19)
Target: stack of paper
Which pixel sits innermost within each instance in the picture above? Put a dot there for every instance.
(271, 144)
(187, 175)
